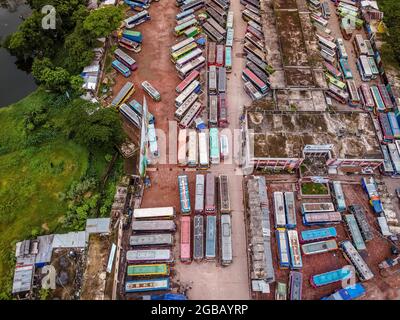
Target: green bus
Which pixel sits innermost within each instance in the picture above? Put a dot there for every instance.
(180, 29)
(175, 56)
(141, 270)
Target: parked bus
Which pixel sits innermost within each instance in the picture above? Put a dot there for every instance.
(210, 205)
(152, 140)
(395, 156)
(226, 239)
(326, 278)
(324, 43)
(186, 19)
(151, 91)
(379, 104)
(121, 68)
(195, 5)
(349, 293)
(212, 79)
(137, 19)
(224, 199)
(251, 48)
(186, 245)
(318, 234)
(322, 218)
(176, 55)
(184, 14)
(149, 256)
(338, 94)
(332, 70)
(229, 20)
(344, 65)
(255, 32)
(352, 255)
(195, 64)
(154, 213)
(248, 75)
(221, 80)
(198, 238)
(193, 87)
(319, 21)
(283, 248)
(247, 15)
(224, 147)
(184, 196)
(219, 61)
(180, 28)
(222, 111)
(364, 68)
(255, 3)
(328, 56)
(385, 96)
(341, 85)
(192, 32)
(189, 117)
(153, 226)
(199, 199)
(182, 44)
(180, 63)
(371, 52)
(130, 115)
(157, 284)
(203, 151)
(148, 270)
(228, 59)
(251, 90)
(355, 232)
(338, 196)
(319, 247)
(124, 94)
(125, 59)
(224, 5)
(294, 249)
(354, 97)
(211, 235)
(257, 61)
(362, 221)
(279, 210)
(130, 45)
(212, 48)
(194, 75)
(341, 49)
(394, 124)
(193, 149)
(374, 68)
(295, 285)
(182, 145)
(229, 38)
(216, 26)
(214, 146)
(387, 166)
(366, 97)
(290, 210)
(217, 14)
(182, 110)
(261, 74)
(310, 207)
(159, 239)
(359, 45)
(212, 33)
(259, 44)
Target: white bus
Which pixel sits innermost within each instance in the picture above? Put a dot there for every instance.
(190, 115)
(279, 209)
(213, 110)
(194, 87)
(180, 112)
(154, 213)
(326, 43)
(182, 44)
(195, 64)
(203, 151)
(182, 160)
(229, 20)
(341, 49)
(212, 79)
(180, 63)
(193, 149)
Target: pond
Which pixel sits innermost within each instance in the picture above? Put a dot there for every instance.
(15, 83)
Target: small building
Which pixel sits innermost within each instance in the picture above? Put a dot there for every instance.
(370, 10)
(45, 249)
(70, 240)
(97, 226)
(23, 274)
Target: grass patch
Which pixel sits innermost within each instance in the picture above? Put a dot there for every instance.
(311, 188)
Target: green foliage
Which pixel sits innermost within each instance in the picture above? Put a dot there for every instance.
(103, 21)
(44, 294)
(53, 78)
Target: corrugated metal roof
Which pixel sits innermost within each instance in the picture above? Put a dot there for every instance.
(70, 240)
(45, 249)
(23, 274)
(100, 225)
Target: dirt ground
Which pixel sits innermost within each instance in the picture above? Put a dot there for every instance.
(94, 278)
(378, 249)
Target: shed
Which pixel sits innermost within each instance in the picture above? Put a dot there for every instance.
(45, 250)
(23, 274)
(70, 240)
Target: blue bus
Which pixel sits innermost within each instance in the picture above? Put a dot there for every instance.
(344, 65)
(228, 59)
(349, 293)
(184, 195)
(318, 234)
(326, 278)
(120, 67)
(283, 248)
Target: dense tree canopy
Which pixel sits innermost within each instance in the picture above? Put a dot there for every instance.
(391, 10)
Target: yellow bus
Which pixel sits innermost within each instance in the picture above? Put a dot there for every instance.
(335, 82)
(175, 56)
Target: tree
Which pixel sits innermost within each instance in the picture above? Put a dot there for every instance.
(92, 126)
(103, 21)
(76, 83)
(53, 78)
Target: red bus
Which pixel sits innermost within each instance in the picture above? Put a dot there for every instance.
(186, 255)
(222, 111)
(250, 76)
(194, 75)
(219, 62)
(211, 53)
(210, 207)
(366, 97)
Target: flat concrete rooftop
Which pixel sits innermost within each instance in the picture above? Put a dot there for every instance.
(284, 134)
